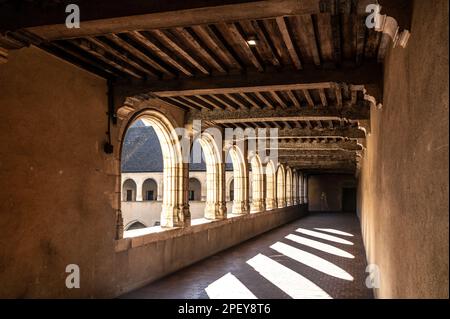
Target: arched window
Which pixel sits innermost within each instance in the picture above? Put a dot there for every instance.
(129, 191)
(175, 205)
(240, 181)
(195, 189)
(149, 190)
(135, 225)
(281, 187)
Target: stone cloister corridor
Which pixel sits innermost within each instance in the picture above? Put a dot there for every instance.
(335, 268)
(224, 149)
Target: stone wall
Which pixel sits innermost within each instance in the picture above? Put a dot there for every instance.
(59, 191)
(325, 191)
(403, 190)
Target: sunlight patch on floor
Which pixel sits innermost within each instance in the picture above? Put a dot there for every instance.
(323, 236)
(312, 261)
(229, 287)
(319, 246)
(292, 283)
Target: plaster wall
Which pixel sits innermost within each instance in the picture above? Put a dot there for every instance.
(325, 191)
(403, 183)
(60, 191)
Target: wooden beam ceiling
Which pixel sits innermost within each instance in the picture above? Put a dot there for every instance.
(103, 17)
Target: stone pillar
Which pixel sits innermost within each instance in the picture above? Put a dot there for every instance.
(288, 184)
(305, 189)
(281, 187)
(119, 225)
(257, 185)
(300, 188)
(160, 189)
(215, 207)
(295, 187)
(175, 207)
(139, 184)
(241, 204)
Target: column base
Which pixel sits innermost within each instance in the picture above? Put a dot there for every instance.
(216, 211)
(175, 216)
(240, 207)
(257, 206)
(281, 203)
(271, 204)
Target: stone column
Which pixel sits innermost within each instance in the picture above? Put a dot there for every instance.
(305, 189)
(241, 204)
(175, 208)
(215, 207)
(139, 185)
(295, 188)
(258, 204)
(160, 189)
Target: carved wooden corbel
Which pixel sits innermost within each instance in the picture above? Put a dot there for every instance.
(3, 55)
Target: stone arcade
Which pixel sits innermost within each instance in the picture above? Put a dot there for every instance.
(361, 176)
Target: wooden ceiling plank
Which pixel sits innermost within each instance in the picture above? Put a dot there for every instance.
(209, 102)
(192, 100)
(263, 99)
(293, 98)
(170, 42)
(325, 36)
(308, 97)
(223, 102)
(235, 100)
(270, 26)
(137, 53)
(323, 97)
(176, 104)
(239, 44)
(278, 99)
(288, 41)
(182, 102)
(263, 45)
(84, 46)
(215, 44)
(304, 26)
(249, 100)
(338, 94)
(160, 51)
(77, 55)
(120, 56)
(192, 41)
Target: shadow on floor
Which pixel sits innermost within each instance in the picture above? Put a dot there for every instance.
(322, 257)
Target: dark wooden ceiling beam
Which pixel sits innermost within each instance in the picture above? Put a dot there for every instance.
(355, 113)
(288, 42)
(107, 16)
(369, 75)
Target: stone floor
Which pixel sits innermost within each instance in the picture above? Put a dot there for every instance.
(322, 257)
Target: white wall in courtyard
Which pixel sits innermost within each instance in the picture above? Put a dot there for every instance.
(148, 212)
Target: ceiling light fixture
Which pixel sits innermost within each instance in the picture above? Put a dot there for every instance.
(252, 41)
